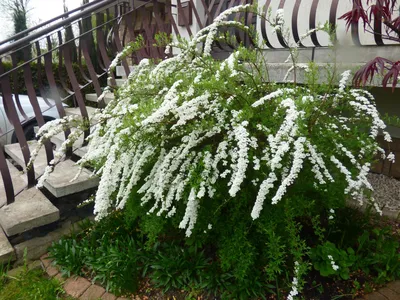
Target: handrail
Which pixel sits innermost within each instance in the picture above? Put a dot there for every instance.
(67, 14)
(66, 21)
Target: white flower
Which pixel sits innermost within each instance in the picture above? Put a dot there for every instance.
(333, 264)
(391, 157)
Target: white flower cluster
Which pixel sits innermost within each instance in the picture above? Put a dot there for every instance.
(295, 282)
(173, 140)
(335, 267)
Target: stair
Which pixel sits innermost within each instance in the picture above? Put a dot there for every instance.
(93, 98)
(15, 152)
(77, 148)
(120, 71)
(6, 250)
(31, 209)
(19, 183)
(59, 181)
(119, 81)
(76, 111)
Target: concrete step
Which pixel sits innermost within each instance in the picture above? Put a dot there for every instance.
(31, 209)
(119, 81)
(81, 151)
(77, 148)
(6, 250)
(15, 152)
(59, 183)
(120, 71)
(19, 182)
(76, 111)
(93, 97)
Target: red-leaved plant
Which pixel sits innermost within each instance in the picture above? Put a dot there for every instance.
(373, 13)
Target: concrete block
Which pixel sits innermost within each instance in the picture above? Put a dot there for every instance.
(93, 97)
(6, 250)
(15, 152)
(120, 70)
(76, 111)
(59, 182)
(31, 209)
(81, 151)
(119, 81)
(38, 246)
(19, 182)
(59, 138)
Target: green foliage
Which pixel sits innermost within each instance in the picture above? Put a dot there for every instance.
(343, 258)
(29, 284)
(378, 254)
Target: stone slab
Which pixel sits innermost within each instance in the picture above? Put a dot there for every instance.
(120, 71)
(81, 151)
(119, 81)
(389, 294)
(31, 209)
(59, 182)
(76, 111)
(38, 246)
(6, 250)
(15, 152)
(19, 181)
(59, 138)
(93, 97)
(35, 265)
(394, 286)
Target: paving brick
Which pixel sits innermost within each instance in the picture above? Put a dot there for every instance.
(46, 261)
(394, 286)
(94, 292)
(75, 287)
(108, 296)
(375, 296)
(51, 271)
(389, 294)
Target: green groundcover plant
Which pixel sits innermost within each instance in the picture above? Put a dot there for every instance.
(211, 155)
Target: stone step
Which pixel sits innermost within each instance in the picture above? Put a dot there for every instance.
(81, 151)
(119, 81)
(6, 250)
(120, 71)
(69, 111)
(93, 97)
(19, 182)
(31, 209)
(59, 183)
(15, 152)
(77, 148)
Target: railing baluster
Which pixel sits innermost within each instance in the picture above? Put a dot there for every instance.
(5, 174)
(48, 64)
(75, 86)
(34, 102)
(12, 115)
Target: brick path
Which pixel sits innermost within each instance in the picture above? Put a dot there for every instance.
(389, 292)
(77, 287)
(83, 289)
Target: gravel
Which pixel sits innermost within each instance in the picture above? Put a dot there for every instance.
(386, 191)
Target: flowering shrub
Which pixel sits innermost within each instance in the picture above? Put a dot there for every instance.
(213, 149)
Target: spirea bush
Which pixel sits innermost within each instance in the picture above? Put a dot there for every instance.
(210, 152)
